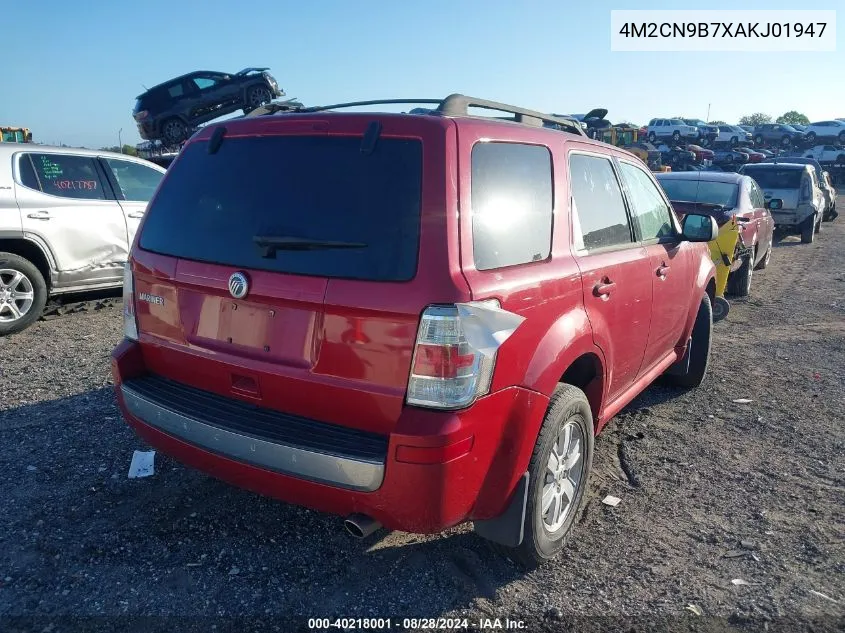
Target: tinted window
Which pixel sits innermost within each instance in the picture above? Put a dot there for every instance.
(651, 213)
(176, 90)
(68, 176)
(774, 178)
(598, 211)
(212, 206)
(702, 191)
(511, 204)
(136, 182)
(204, 83)
(27, 173)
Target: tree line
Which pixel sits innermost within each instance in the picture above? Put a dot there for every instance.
(793, 117)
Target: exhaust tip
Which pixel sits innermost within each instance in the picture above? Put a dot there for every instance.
(360, 525)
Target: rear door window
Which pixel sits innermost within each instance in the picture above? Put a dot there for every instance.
(309, 205)
(511, 204)
(68, 176)
(599, 217)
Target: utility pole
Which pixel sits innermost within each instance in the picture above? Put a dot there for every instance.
(708, 113)
(120, 142)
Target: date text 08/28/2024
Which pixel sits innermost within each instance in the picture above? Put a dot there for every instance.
(415, 624)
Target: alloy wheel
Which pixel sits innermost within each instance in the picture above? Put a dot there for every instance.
(16, 295)
(564, 473)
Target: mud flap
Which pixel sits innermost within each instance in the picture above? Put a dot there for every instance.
(508, 528)
(680, 367)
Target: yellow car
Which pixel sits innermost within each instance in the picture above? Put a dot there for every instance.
(723, 250)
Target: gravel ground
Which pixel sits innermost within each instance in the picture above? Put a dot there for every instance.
(712, 491)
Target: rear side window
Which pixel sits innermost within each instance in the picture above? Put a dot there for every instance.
(27, 173)
(68, 176)
(175, 91)
(136, 182)
(511, 204)
(599, 218)
(757, 199)
(309, 205)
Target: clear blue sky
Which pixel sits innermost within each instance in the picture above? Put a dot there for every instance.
(71, 71)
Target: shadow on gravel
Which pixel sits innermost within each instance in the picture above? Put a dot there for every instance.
(657, 393)
(80, 538)
(788, 241)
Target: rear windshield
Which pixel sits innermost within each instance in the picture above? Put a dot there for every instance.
(773, 178)
(702, 191)
(358, 214)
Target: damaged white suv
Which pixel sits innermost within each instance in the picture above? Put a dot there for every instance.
(67, 220)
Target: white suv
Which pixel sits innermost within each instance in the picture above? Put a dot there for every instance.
(827, 154)
(733, 134)
(826, 129)
(675, 129)
(67, 220)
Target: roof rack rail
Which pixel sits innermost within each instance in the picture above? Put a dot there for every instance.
(453, 105)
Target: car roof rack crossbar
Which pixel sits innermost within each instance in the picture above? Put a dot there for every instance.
(457, 105)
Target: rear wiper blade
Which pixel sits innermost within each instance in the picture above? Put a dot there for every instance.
(271, 244)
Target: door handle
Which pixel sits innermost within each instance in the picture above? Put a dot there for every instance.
(604, 288)
(662, 270)
(39, 215)
(136, 214)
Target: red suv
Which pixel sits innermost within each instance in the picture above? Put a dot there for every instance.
(412, 320)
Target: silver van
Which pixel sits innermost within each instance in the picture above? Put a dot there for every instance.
(67, 220)
(792, 195)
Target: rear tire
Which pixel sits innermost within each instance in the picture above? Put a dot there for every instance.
(652, 137)
(808, 230)
(568, 409)
(257, 96)
(20, 278)
(721, 308)
(174, 131)
(739, 282)
(699, 348)
(758, 140)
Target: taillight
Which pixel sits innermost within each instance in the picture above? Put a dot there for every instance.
(140, 116)
(130, 325)
(448, 371)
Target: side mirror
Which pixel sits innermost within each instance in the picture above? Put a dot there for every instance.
(699, 228)
(774, 204)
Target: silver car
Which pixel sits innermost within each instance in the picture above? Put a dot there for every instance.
(67, 220)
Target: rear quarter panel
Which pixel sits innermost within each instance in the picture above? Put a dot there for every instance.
(547, 293)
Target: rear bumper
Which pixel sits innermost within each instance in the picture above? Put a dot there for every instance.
(437, 469)
(792, 218)
(147, 130)
(339, 470)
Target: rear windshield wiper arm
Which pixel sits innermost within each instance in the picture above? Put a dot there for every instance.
(270, 244)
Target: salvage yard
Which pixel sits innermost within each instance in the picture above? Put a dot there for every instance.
(728, 509)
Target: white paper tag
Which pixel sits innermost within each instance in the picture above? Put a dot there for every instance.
(143, 464)
(486, 327)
